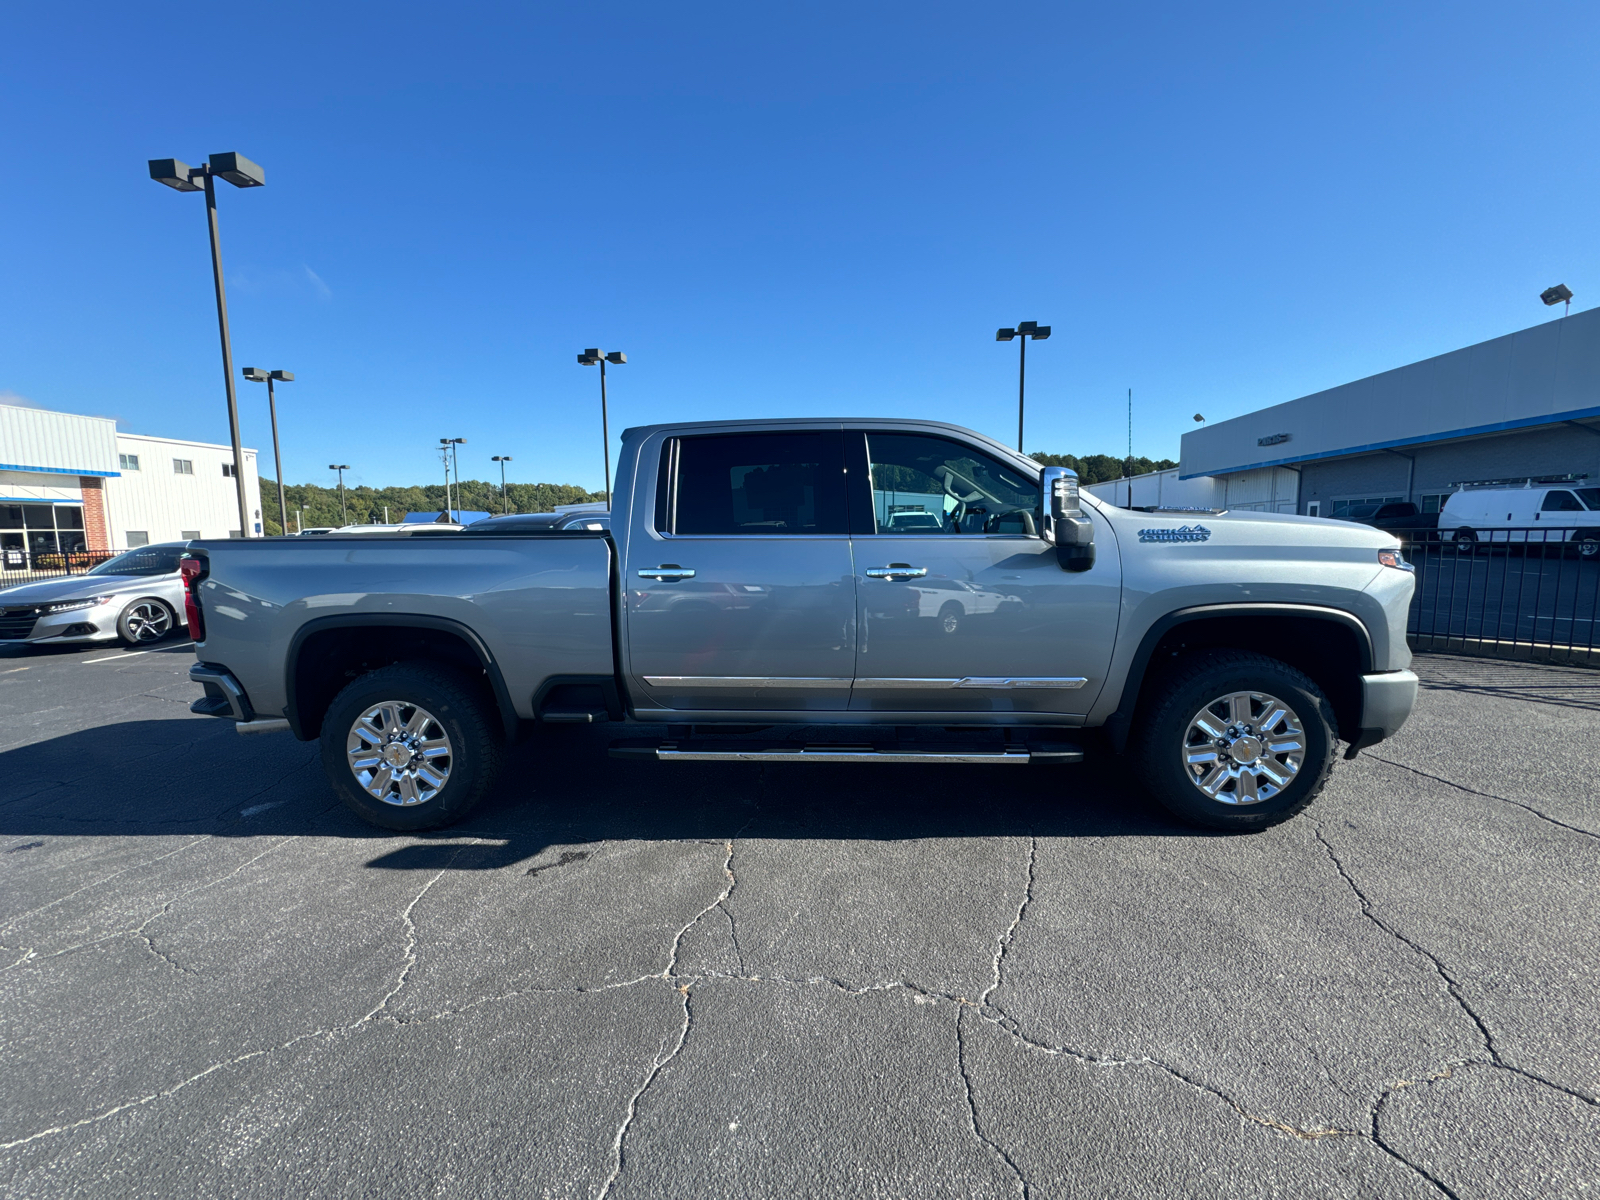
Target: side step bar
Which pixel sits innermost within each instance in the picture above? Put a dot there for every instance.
(1052, 752)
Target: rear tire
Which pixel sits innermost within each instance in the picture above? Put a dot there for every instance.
(411, 746)
(144, 622)
(950, 617)
(1259, 708)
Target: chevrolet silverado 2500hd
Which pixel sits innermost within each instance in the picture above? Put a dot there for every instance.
(875, 575)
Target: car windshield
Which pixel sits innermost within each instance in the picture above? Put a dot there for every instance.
(1360, 512)
(1590, 496)
(147, 560)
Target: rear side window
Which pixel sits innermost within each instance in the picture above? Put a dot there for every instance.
(1560, 501)
(766, 484)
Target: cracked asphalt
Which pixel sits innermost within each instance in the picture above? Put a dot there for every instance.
(629, 979)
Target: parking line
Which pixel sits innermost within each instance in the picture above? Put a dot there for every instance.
(131, 654)
(13, 670)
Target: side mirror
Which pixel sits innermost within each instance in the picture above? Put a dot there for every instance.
(1067, 525)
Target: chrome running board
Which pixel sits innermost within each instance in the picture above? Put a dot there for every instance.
(837, 753)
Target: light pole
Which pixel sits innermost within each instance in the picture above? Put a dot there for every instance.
(502, 459)
(590, 358)
(257, 375)
(344, 517)
(241, 172)
(1024, 330)
(450, 445)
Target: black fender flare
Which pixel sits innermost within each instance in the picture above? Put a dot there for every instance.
(1118, 724)
(508, 712)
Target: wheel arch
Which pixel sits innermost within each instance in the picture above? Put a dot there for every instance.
(1335, 659)
(328, 652)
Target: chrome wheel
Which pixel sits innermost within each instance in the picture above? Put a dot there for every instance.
(148, 621)
(1244, 748)
(399, 753)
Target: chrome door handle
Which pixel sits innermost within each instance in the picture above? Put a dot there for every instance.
(896, 571)
(666, 571)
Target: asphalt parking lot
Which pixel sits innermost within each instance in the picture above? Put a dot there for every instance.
(628, 979)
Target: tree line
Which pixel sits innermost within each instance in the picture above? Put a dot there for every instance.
(365, 505)
(1098, 468)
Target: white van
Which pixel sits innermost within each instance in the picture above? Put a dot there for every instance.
(1521, 512)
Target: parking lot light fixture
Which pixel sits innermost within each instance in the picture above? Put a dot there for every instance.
(599, 358)
(1560, 294)
(1023, 331)
(241, 172)
(344, 516)
(502, 459)
(257, 375)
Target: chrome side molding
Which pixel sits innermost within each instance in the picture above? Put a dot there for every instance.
(986, 682)
(691, 682)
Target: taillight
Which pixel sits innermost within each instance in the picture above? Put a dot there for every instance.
(193, 571)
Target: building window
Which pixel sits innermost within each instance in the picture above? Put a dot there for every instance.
(227, 470)
(137, 538)
(128, 462)
(189, 535)
(1342, 504)
(183, 466)
(1433, 503)
(41, 528)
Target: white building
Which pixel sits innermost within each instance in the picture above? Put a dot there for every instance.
(70, 483)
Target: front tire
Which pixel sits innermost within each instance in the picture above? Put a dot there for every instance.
(411, 746)
(145, 622)
(1235, 741)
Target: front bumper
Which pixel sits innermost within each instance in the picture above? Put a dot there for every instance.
(1386, 701)
(96, 624)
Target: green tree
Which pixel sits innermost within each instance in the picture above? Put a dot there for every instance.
(1098, 468)
(366, 505)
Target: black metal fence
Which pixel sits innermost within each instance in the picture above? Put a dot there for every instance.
(1528, 593)
(21, 566)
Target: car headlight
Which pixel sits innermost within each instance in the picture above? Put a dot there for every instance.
(1396, 559)
(75, 605)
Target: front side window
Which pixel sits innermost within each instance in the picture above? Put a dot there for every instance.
(183, 466)
(128, 462)
(1561, 501)
(768, 484)
(932, 485)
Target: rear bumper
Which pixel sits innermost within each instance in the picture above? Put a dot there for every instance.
(224, 697)
(1386, 701)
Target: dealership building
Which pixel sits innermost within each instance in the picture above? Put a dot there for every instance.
(70, 483)
(1521, 406)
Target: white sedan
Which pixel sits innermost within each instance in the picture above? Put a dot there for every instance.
(135, 598)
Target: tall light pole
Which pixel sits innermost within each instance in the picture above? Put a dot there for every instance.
(241, 172)
(502, 459)
(444, 453)
(450, 444)
(344, 517)
(257, 375)
(1024, 331)
(590, 358)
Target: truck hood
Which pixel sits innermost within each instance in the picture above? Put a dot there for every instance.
(77, 587)
(1265, 531)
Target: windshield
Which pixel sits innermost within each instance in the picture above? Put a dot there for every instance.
(147, 560)
(1590, 496)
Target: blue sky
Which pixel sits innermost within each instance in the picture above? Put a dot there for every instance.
(775, 210)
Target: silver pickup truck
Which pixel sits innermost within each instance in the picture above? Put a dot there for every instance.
(867, 591)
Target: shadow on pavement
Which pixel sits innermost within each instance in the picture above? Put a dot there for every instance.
(198, 777)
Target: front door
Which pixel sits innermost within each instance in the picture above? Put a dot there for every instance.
(962, 606)
(740, 592)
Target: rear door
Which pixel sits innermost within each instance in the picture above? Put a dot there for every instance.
(739, 593)
(962, 605)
